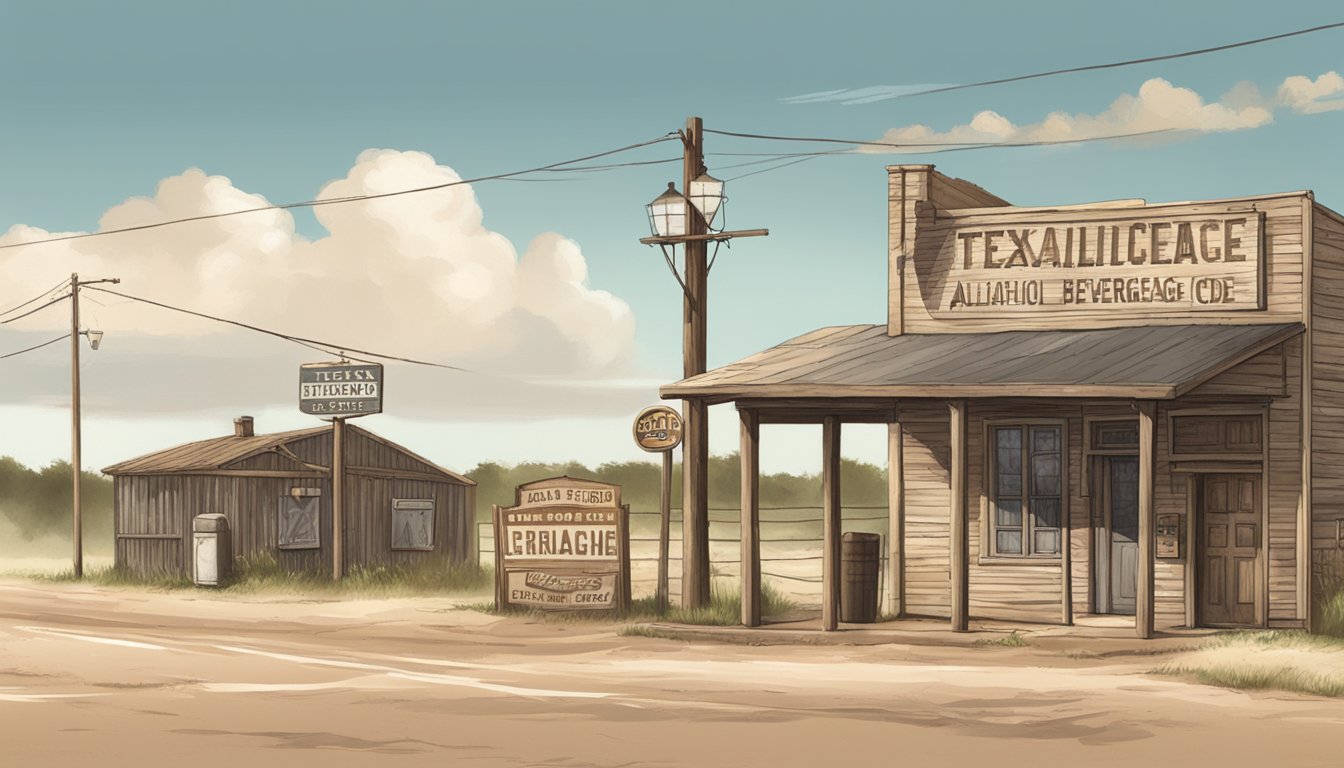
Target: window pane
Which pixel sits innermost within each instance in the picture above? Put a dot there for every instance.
(1045, 512)
(1045, 474)
(1009, 542)
(1045, 439)
(1047, 542)
(1008, 513)
(1010, 438)
(1010, 484)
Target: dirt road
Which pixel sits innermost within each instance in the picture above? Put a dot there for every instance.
(120, 678)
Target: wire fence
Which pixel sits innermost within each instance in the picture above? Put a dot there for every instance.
(792, 550)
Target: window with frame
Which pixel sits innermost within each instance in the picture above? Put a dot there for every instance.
(1027, 469)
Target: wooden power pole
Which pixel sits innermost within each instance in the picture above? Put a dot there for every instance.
(77, 511)
(77, 507)
(695, 584)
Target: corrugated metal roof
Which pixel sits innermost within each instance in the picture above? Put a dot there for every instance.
(210, 454)
(863, 361)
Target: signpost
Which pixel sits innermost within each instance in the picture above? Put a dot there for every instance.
(658, 429)
(340, 391)
(564, 545)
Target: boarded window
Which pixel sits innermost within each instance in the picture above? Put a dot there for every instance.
(1028, 476)
(300, 524)
(413, 524)
(1215, 435)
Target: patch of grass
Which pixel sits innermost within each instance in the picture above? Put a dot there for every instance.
(263, 574)
(1331, 616)
(1272, 638)
(1011, 640)
(112, 576)
(1277, 678)
(643, 630)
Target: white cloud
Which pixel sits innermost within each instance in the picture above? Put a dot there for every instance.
(417, 275)
(1158, 106)
(1307, 96)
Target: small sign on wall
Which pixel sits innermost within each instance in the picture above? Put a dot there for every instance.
(564, 545)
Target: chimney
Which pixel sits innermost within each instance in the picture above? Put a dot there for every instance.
(242, 426)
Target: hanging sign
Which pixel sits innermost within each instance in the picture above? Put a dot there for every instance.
(341, 389)
(565, 544)
(658, 428)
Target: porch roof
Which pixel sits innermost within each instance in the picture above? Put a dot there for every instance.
(862, 361)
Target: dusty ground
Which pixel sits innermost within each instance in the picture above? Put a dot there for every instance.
(93, 676)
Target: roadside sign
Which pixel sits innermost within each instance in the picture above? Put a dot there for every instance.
(564, 545)
(658, 428)
(341, 389)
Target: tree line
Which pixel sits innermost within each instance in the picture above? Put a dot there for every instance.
(35, 503)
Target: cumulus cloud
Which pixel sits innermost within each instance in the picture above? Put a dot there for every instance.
(1307, 96)
(1158, 106)
(418, 275)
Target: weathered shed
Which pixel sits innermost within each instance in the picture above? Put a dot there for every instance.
(276, 491)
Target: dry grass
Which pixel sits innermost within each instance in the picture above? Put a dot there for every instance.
(1011, 640)
(1275, 660)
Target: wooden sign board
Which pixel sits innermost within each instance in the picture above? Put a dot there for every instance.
(341, 389)
(1070, 263)
(564, 545)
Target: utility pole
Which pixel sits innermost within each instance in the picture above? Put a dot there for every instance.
(337, 498)
(695, 584)
(688, 220)
(77, 511)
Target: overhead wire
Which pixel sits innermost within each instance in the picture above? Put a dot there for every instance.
(56, 300)
(324, 346)
(339, 200)
(38, 297)
(37, 346)
(1125, 63)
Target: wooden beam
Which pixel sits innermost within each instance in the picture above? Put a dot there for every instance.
(337, 498)
(751, 519)
(1143, 604)
(830, 500)
(959, 537)
(895, 519)
(717, 237)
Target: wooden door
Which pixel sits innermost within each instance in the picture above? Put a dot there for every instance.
(1122, 516)
(1230, 543)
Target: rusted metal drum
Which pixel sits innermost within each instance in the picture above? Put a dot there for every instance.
(860, 566)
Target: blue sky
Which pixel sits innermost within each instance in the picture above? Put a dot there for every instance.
(104, 101)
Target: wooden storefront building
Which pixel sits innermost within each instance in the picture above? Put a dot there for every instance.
(276, 491)
(1115, 408)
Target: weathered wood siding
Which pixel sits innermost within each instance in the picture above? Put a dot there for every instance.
(923, 229)
(153, 513)
(1327, 399)
(927, 456)
(1285, 490)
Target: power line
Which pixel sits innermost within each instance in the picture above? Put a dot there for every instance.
(39, 346)
(944, 145)
(56, 300)
(323, 346)
(38, 297)
(1125, 63)
(347, 199)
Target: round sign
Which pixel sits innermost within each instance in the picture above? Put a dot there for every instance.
(658, 428)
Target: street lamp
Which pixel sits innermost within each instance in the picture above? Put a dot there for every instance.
(688, 220)
(95, 338)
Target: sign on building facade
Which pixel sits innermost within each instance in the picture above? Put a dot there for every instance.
(564, 545)
(341, 389)
(1066, 263)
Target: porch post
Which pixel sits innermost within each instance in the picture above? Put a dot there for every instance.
(751, 519)
(1143, 604)
(960, 543)
(830, 495)
(895, 519)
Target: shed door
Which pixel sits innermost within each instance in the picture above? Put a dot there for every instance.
(1230, 541)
